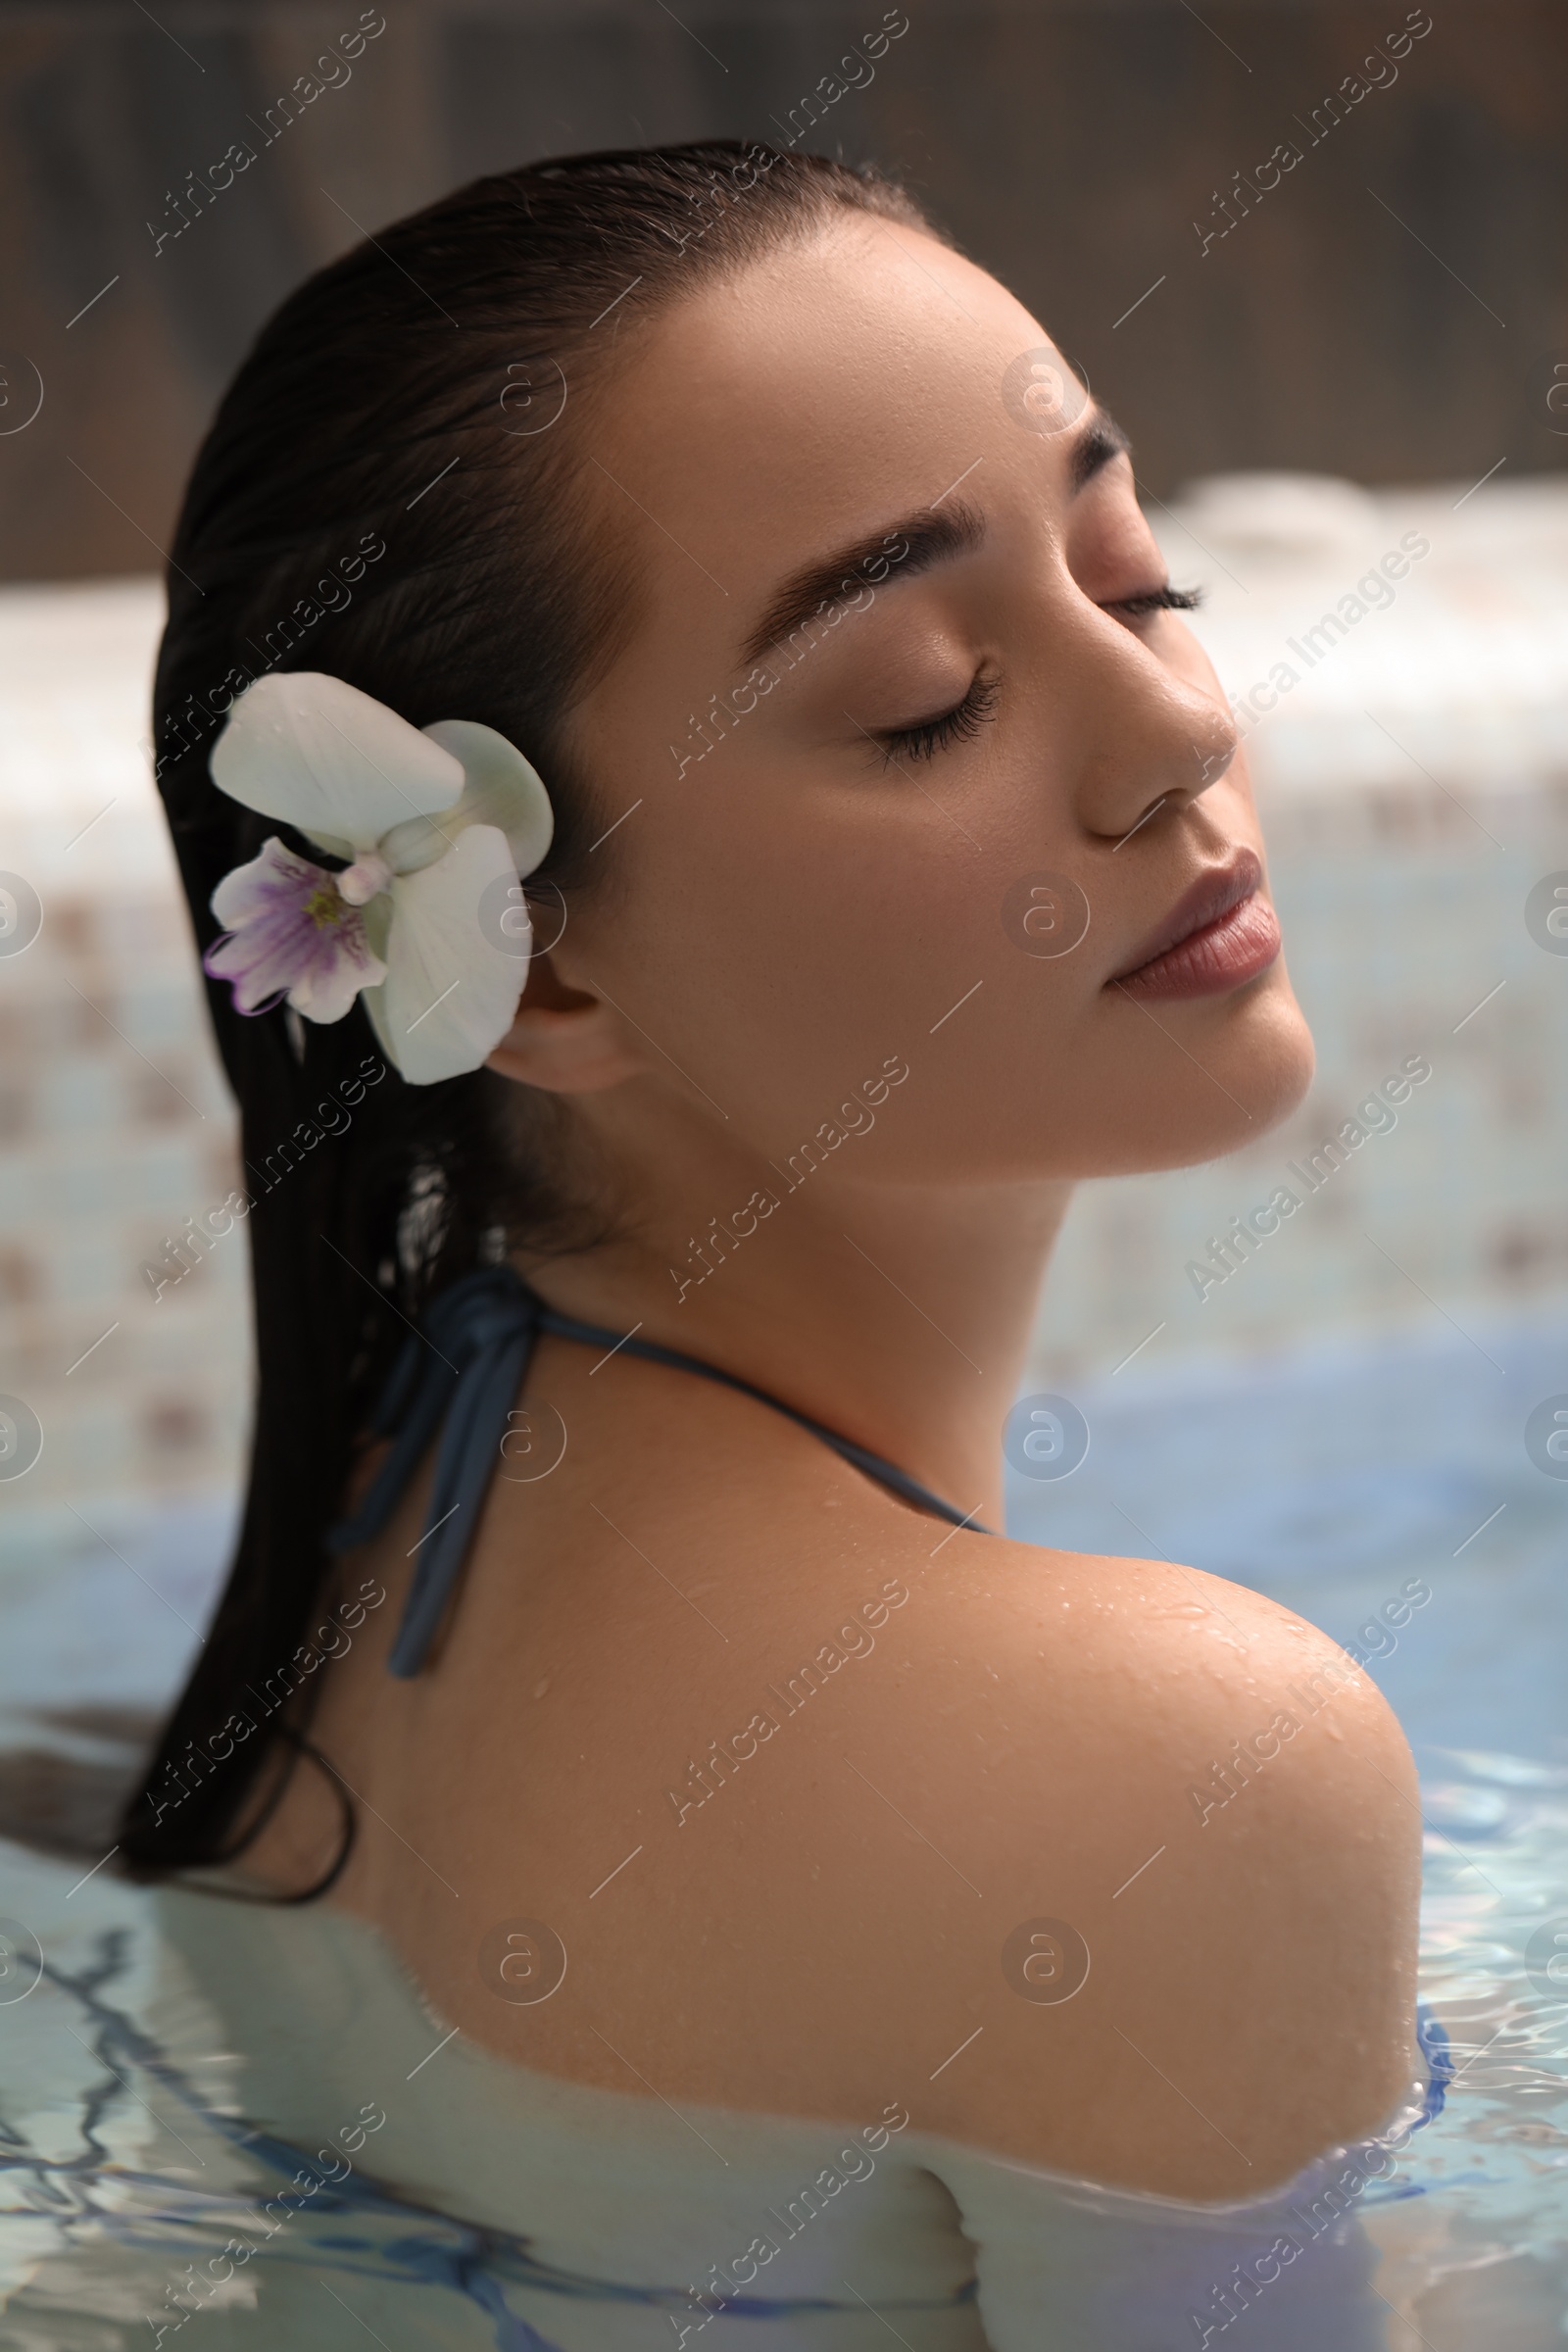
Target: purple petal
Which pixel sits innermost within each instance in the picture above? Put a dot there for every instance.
(335, 976)
(260, 977)
(276, 879)
(291, 932)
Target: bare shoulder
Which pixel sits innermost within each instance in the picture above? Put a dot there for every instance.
(1105, 1865)
(1191, 1822)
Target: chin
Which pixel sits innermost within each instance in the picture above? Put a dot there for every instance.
(1261, 1065)
(1269, 1070)
(1273, 1057)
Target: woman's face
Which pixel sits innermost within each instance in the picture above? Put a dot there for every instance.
(957, 817)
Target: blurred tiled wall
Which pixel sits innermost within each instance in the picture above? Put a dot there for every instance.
(115, 1122)
(1414, 784)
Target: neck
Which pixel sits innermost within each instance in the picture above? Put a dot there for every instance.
(898, 1314)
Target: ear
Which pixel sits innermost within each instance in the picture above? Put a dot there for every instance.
(564, 1040)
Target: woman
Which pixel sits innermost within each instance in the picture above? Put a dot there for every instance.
(901, 871)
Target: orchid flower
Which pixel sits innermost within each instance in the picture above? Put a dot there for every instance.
(438, 825)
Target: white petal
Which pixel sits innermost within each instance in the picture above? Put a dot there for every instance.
(419, 840)
(450, 995)
(501, 788)
(331, 760)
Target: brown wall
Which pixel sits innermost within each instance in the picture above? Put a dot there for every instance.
(1069, 147)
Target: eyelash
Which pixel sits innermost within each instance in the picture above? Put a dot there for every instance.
(960, 724)
(1159, 600)
(964, 720)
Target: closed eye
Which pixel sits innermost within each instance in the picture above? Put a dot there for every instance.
(1154, 599)
(924, 738)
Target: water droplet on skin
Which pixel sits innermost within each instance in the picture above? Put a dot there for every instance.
(1334, 1729)
(1181, 1609)
(540, 1688)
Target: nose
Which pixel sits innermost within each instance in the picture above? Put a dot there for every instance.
(1148, 738)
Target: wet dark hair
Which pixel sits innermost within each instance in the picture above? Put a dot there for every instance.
(394, 490)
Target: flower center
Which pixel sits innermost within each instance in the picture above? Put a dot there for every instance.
(326, 905)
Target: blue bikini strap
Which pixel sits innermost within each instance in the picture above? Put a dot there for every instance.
(462, 1372)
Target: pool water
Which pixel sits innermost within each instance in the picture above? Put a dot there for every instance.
(1329, 1479)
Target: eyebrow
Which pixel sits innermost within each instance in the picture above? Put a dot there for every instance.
(1103, 440)
(927, 538)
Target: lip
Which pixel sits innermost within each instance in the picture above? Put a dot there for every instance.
(1219, 935)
